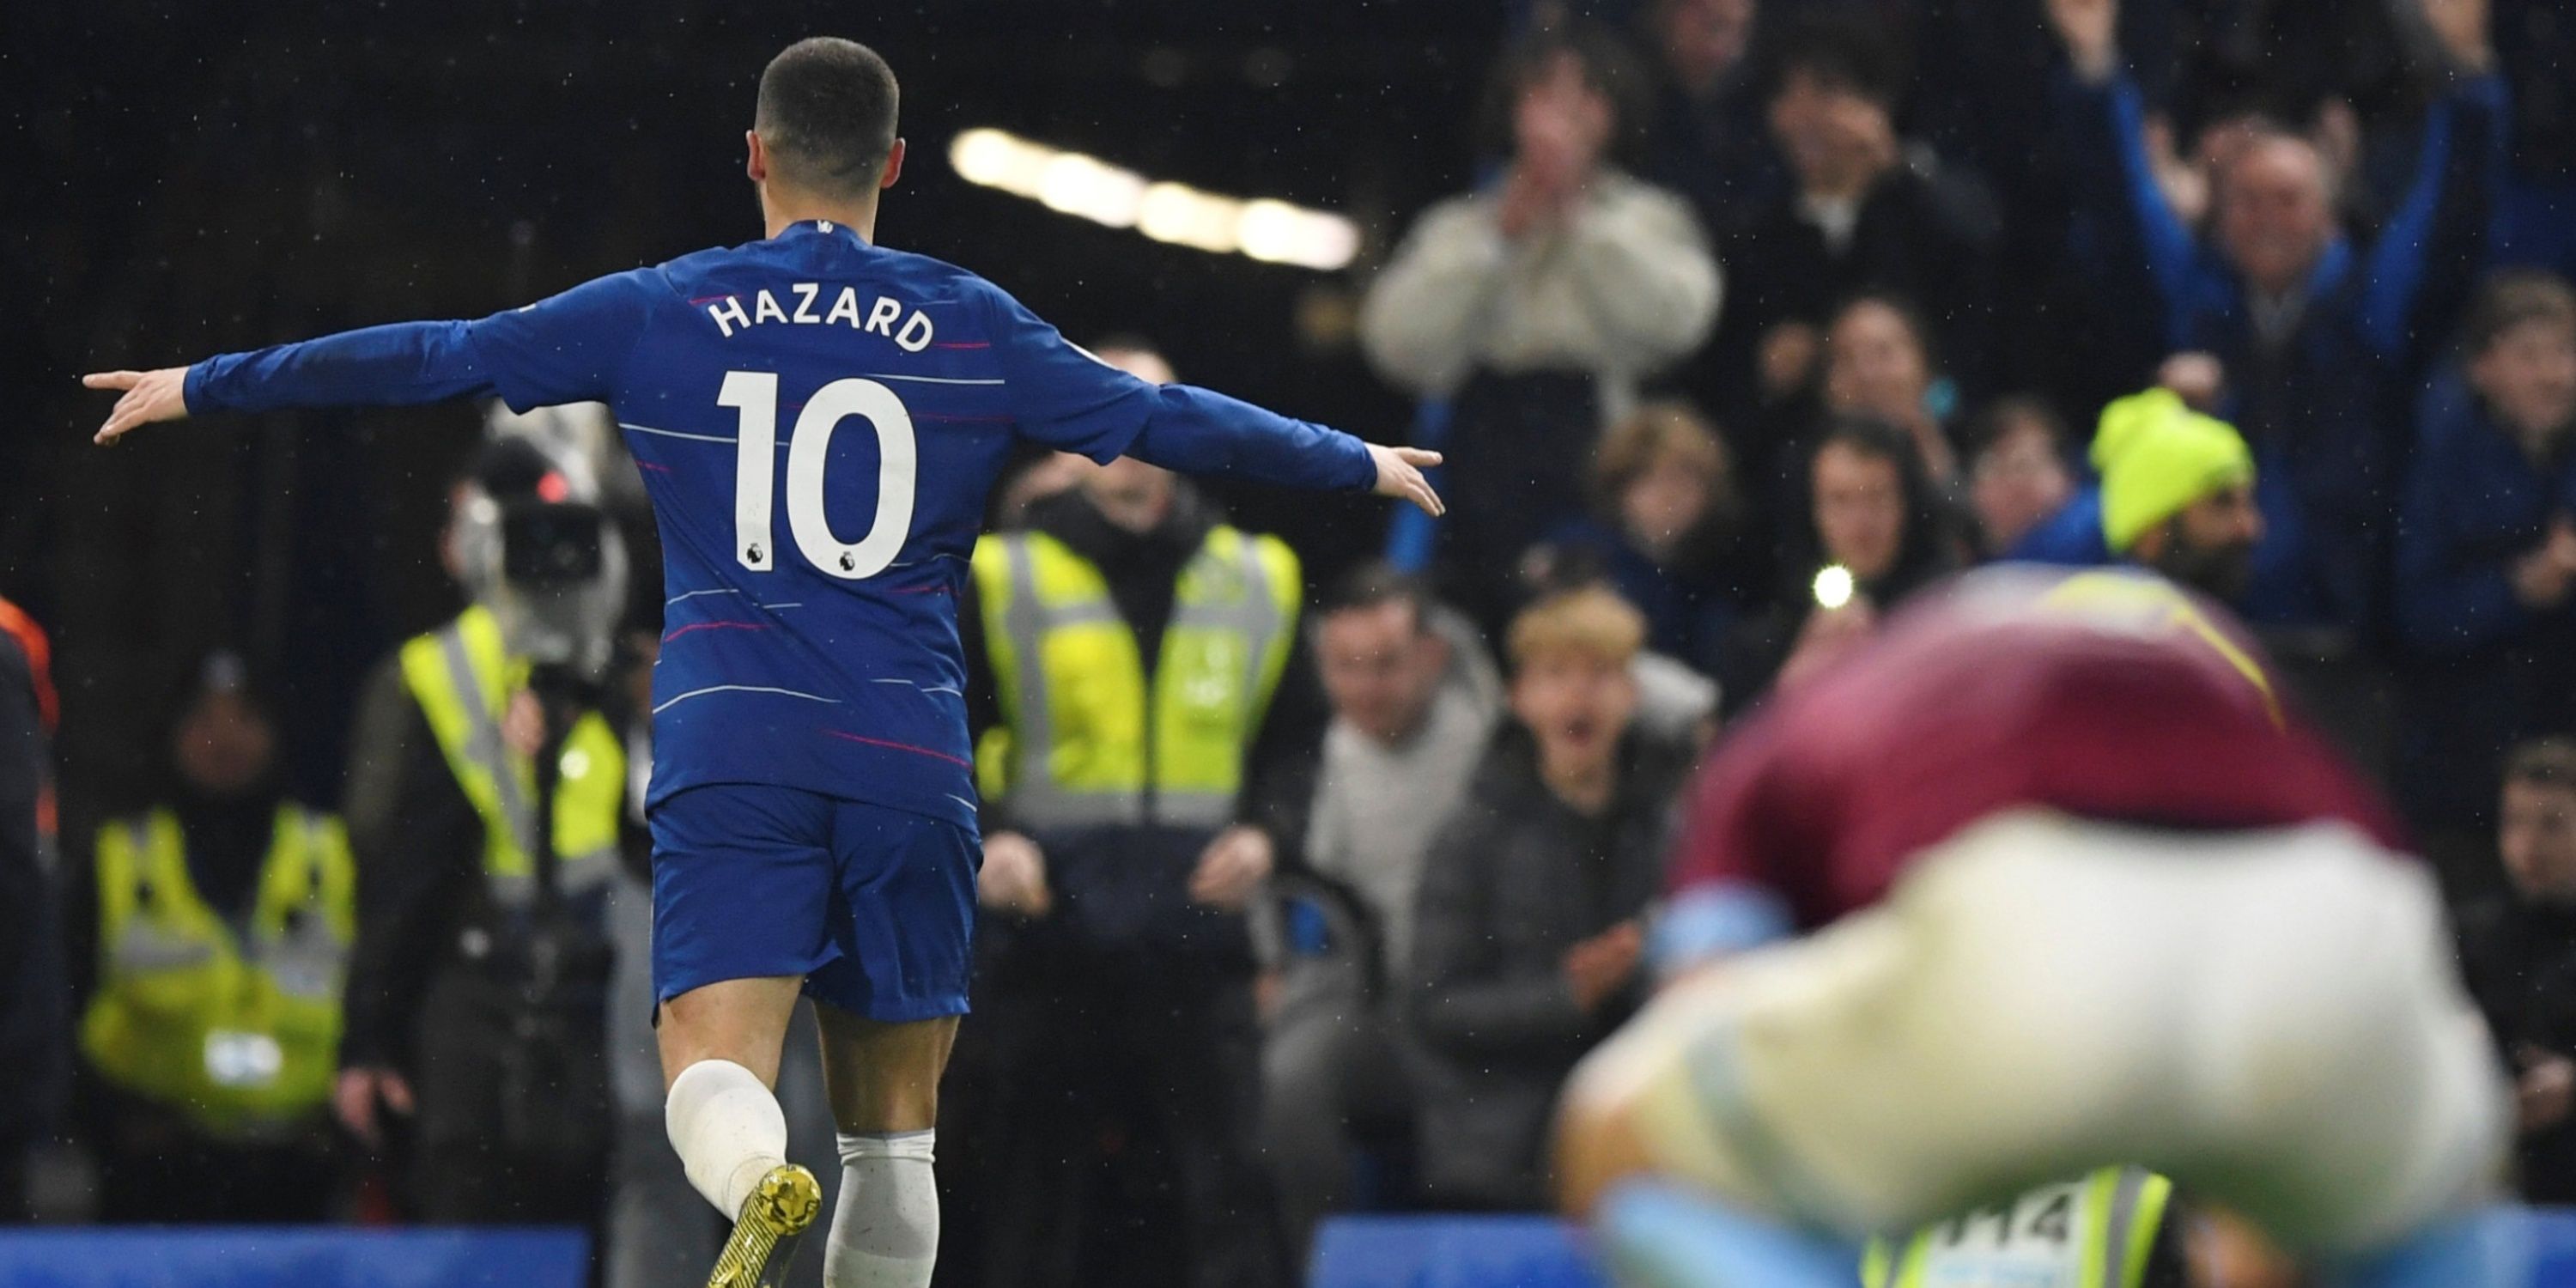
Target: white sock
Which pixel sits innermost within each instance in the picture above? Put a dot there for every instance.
(728, 1130)
(885, 1233)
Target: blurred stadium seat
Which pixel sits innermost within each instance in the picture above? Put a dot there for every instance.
(257, 1257)
(1533, 1252)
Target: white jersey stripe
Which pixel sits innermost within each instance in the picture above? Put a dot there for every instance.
(673, 433)
(740, 688)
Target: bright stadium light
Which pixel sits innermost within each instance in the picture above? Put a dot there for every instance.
(981, 156)
(1079, 185)
(1184, 216)
(1283, 234)
(1087, 187)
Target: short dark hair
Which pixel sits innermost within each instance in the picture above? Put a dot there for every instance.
(2002, 416)
(1917, 323)
(827, 112)
(1376, 583)
(1608, 67)
(2512, 298)
(2543, 762)
(1840, 53)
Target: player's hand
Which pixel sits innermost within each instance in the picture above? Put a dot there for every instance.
(355, 1097)
(1014, 876)
(1399, 475)
(1601, 965)
(1231, 868)
(2090, 29)
(149, 396)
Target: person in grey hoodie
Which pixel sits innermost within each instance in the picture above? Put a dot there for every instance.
(1414, 700)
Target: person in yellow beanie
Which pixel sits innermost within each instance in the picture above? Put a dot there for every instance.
(2178, 493)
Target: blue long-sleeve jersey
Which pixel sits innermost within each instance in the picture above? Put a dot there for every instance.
(819, 422)
(2475, 504)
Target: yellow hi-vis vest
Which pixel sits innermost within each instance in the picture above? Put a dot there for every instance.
(2091, 1233)
(1082, 742)
(236, 1026)
(463, 679)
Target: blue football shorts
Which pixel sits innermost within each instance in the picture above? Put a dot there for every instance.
(873, 907)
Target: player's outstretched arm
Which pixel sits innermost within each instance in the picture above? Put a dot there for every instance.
(394, 365)
(1200, 431)
(1062, 396)
(568, 348)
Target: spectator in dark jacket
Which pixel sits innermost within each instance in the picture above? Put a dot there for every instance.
(35, 1036)
(1669, 531)
(1865, 212)
(1527, 931)
(2486, 554)
(1873, 532)
(2302, 337)
(1707, 141)
(2518, 954)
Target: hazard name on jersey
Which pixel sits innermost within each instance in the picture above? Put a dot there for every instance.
(885, 316)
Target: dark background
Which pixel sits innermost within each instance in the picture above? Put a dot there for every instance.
(180, 179)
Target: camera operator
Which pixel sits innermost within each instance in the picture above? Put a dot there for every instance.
(486, 810)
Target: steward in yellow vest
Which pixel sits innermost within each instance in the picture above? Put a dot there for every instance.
(1122, 654)
(230, 1016)
(507, 1122)
(1089, 734)
(223, 920)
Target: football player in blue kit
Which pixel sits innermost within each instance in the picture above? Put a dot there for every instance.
(818, 420)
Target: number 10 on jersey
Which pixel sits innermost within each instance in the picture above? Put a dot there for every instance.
(754, 397)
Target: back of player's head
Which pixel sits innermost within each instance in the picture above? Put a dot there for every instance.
(827, 113)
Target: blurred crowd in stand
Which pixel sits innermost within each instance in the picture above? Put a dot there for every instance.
(1761, 318)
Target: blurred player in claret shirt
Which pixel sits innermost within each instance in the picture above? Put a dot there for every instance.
(812, 800)
(2082, 894)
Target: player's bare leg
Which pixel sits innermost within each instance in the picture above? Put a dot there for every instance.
(884, 1086)
(720, 1047)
